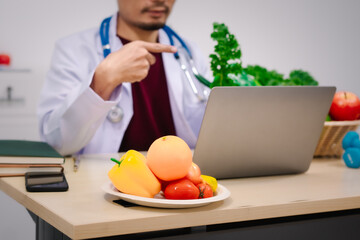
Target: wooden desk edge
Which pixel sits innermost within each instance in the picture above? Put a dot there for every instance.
(190, 219)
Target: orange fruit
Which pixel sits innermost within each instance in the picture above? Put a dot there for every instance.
(169, 158)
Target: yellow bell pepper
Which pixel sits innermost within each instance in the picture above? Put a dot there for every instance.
(131, 175)
(211, 181)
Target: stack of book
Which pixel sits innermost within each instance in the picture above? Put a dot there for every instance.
(18, 157)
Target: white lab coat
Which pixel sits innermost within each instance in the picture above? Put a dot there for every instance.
(73, 118)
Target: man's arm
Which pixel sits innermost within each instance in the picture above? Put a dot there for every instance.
(69, 111)
(130, 64)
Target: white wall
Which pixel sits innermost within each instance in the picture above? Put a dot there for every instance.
(319, 36)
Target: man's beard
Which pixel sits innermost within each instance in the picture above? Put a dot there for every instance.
(150, 26)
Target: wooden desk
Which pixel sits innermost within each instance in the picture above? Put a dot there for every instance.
(86, 212)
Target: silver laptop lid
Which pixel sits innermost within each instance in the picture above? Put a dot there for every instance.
(257, 131)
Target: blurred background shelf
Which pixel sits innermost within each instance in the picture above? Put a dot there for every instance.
(14, 70)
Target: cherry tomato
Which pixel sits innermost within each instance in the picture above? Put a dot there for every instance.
(345, 106)
(194, 174)
(205, 190)
(181, 189)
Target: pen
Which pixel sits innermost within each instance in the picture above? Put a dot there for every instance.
(76, 162)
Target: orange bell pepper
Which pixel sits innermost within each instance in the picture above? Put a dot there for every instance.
(131, 175)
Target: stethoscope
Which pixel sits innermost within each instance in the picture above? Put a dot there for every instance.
(183, 55)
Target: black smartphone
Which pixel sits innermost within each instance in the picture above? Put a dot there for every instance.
(46, 182)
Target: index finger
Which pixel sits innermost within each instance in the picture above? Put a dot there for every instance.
(159, 48)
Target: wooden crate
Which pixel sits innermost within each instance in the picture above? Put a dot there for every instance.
(329, 145)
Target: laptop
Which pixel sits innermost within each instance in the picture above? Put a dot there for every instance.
(261, 131)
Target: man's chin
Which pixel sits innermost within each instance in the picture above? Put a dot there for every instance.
(150, 26)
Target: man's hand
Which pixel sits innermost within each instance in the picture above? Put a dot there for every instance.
(130, 64)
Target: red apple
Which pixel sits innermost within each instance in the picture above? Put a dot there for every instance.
(345, 106)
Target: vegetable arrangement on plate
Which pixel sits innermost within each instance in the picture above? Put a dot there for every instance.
(168, 167)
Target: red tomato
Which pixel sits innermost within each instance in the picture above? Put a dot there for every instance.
(194, 174)
(4, 59)
(181, 189)
(205, 190)
(345, 106)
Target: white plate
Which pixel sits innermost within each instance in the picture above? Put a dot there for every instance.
(160, 202)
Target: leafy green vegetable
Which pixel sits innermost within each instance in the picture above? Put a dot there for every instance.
(273, 78)
(227, 67)
(263, 76)
(299, 77)
(225, 62)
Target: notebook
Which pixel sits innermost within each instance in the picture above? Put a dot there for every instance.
(14, 170)
(260, 131)
(28, 152)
